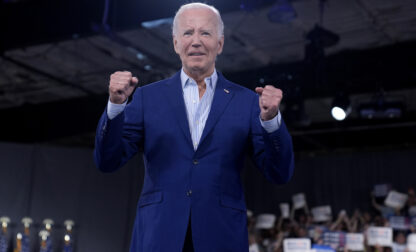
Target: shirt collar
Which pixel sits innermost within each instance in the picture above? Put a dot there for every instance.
(210, 81)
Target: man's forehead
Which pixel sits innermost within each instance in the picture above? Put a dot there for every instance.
(191, 17)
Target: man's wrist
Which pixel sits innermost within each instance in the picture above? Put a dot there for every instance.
(114, 109)
(272, 124)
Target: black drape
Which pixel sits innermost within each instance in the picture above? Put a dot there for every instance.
(47, 181)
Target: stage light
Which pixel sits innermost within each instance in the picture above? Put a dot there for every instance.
(340, 107)
(282, 12)
(148, 67)
(338, 113)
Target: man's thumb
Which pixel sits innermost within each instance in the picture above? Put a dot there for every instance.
(135, 80)
(259, 90)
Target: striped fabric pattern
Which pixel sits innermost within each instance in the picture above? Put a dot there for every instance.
(197, 109)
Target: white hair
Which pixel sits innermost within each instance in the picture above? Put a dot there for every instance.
(184, 7)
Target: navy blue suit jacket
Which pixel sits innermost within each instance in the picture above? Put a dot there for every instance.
(182, 183)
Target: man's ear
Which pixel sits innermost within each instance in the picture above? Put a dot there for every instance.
(175, 44)
(221, 44)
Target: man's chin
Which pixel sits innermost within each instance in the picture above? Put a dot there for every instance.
(196, 68)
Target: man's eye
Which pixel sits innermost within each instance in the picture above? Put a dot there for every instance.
(205, 33)
(187, 33)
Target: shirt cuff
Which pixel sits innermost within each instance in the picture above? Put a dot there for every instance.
(272, 124)
(114, 109)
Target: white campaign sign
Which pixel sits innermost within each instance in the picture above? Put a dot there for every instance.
(296, 245)
(412, 211)
(334, 239)
(398, 222)
(284, 210)
(395, 199)
(355, 241)
(299, 200)
(382, 236)
(411, 242)
(381, 190)
(265, 221)
(322, 213)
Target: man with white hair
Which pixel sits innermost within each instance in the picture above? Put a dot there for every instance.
(194, 129)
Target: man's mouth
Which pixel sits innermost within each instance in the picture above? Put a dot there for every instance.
(196, 54)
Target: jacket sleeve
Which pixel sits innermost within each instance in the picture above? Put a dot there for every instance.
(272, 152)
(119, 139)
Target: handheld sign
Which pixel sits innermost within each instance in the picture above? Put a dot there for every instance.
(399, 222)
(265, 221)
(296, 245)
(395, 199)
(284, 210)
(355, 241)
(322, 213)
(298, 200)
(381, 190)
(412, 211)
(322, 248)
(411, 242)
(335, 240)
(382, 236)
(396, 247)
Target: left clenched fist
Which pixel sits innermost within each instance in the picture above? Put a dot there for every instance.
(269, 101)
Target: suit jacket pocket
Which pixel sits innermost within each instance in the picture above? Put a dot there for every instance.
(231, 202)
(150, 198)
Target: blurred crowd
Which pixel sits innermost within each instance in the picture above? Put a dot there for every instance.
(267, 232)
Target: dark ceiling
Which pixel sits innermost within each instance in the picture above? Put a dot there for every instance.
(56, 57)
(29, 22)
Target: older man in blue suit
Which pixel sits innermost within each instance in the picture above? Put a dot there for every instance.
(194, 130)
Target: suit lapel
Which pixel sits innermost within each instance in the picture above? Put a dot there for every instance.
(222, 96)
(174, 94)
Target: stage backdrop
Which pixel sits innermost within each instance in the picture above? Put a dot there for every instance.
(62, 183)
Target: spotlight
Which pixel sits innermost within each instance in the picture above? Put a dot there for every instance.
(340, 107)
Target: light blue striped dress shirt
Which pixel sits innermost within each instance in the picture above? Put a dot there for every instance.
(197, 109)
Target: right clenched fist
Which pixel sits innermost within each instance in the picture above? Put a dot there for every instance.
(121, 86)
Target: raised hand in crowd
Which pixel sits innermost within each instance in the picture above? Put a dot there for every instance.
(342, 223)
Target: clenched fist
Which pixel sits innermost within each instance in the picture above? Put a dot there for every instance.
(121, 86)
(269, 101)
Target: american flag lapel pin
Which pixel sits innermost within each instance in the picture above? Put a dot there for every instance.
(226, 90)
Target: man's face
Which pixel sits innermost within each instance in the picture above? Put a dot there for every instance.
(197, 41)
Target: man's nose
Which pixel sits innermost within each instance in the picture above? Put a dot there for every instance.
(196, 41)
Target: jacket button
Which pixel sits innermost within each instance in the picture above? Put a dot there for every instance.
(195, 162)
(189, 193)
